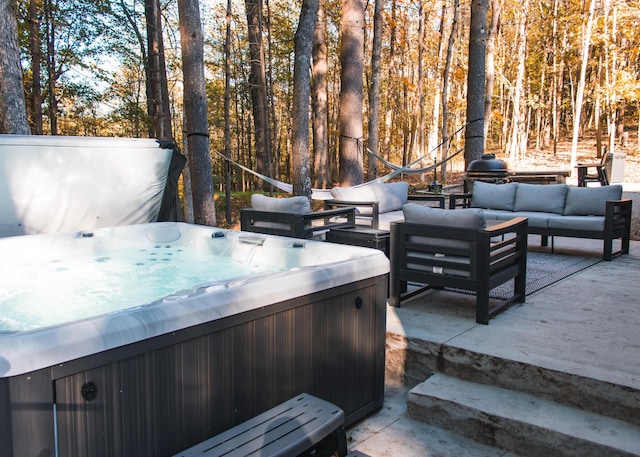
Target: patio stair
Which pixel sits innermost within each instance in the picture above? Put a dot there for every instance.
(524, 408)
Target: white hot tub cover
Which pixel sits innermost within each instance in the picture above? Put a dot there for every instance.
(58, 184)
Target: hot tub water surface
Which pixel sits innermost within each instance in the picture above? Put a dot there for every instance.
(51, 291)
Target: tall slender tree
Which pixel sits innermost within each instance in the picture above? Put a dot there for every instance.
(258, 87)
(374, 89)
(36, 56)
(351, 92)
(319, 102)
(586, 44)
(195, 112)
(156, 74)
(13, 110)
(474, 135)
(303, 41)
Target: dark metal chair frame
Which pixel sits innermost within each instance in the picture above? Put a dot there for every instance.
(374, 215)
(599, 175)
(495, 255)
(296, 225)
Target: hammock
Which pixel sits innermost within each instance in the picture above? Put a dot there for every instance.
(325, 194)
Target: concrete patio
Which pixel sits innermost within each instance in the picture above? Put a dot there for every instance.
(556, 376)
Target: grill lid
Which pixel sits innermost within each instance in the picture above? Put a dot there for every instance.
(488, 162)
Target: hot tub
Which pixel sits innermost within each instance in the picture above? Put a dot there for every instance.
(151, 338)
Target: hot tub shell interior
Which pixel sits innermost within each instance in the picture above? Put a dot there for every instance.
(159, 389)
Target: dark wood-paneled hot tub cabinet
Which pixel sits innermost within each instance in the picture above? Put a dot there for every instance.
(160, 396)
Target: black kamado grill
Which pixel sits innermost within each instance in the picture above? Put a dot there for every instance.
(487, 169)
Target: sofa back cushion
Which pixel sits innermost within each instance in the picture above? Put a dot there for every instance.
(364, 193)
(392, 196)
(493, 196)
(590, 201)
(292, 205)
(549, 198)
(438, 251)
(472, 218)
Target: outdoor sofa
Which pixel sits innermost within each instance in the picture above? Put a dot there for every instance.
(557, 210)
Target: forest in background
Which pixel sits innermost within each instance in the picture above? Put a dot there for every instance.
(544, 59)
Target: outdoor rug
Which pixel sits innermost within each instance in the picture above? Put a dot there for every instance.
(543, 269)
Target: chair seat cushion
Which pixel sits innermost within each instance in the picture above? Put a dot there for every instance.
(588, 223)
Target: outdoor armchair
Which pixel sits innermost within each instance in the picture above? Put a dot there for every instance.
(437, 248)
(292, 217)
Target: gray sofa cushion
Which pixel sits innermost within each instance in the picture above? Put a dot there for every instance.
(536, 219)
(549, 198)
(292, 205)
(472, 218)
(392, 196)
(590, 201)
(493, 196)
(364, 193)
(595, 223)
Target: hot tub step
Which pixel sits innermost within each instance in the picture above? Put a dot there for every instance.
(519, 422)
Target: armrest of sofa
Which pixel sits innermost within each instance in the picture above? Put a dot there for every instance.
(364, 210)
(427, 198)
(459, 200)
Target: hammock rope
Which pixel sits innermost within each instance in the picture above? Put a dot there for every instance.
(325, 194)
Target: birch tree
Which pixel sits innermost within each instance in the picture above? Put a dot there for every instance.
(586, 43)
(518, 136)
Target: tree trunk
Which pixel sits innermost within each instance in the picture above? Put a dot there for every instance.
(474, 136)
(496, 11)
(320, 106)
(51, 67)
(227, 112)
(391, 76)
(195, 112)
(258, 83)
(351, 92)
(586, 43)
(36, 58)
(303, 42)
(374, 90)
(445, 86)
(157, 88)
(437, 96)
(13, 108)
(517, 144)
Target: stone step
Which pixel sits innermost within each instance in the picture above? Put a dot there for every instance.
(520, 422)
(566, 384)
